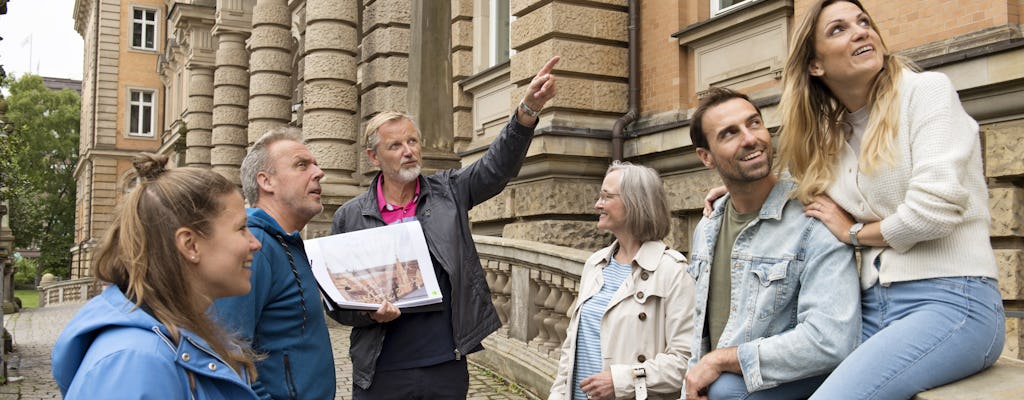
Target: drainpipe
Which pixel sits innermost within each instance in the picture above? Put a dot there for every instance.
(634, 86)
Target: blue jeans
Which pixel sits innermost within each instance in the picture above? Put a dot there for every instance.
(730, 386)
(918, 335)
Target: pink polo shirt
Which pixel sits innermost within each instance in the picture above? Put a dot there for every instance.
(392, 213)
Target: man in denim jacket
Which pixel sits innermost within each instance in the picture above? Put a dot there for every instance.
(777, 295)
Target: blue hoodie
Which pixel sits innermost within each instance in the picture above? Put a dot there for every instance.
(283, 317)
(111, 351)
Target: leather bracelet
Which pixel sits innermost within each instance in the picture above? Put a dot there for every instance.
(640, 383)
(529, 111)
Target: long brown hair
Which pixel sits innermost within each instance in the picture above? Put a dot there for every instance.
(140, 256)
(811, 136)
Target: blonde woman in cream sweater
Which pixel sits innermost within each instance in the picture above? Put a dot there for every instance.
(889, 160)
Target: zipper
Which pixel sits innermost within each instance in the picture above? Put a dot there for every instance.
(289, 379)
(458, 354)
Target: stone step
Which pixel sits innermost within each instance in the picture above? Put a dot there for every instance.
(1004, 381)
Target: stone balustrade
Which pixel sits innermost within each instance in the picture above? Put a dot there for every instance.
(532, 286)
(67, 292)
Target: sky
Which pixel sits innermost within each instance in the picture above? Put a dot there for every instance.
(43, 30)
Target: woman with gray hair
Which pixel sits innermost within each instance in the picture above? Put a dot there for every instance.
(631, 325)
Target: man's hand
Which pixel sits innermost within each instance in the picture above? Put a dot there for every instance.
(387, 312)
(538, 92)
(708, 369)
(599, 386)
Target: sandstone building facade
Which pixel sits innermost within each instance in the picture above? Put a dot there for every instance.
(222, 72)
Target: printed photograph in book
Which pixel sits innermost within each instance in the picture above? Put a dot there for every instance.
(362, 269)
(400, 280)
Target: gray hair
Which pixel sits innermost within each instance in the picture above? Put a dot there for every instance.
(640, 188)
(371, 139)
(258, 160)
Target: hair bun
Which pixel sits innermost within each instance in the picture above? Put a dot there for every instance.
(150, 166)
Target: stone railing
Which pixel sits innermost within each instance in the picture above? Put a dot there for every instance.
(66, 292)
(532, 286)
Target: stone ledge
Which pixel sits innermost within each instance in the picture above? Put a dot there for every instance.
(1005, 380)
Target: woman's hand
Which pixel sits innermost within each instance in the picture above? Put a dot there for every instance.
(834, 217)
(599, 386)
(709, 200)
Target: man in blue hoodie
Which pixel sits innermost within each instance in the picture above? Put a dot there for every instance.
(282, 315)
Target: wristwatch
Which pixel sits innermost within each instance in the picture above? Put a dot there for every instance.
(854, 230)
(529, 111)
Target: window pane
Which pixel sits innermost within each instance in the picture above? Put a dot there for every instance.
(150, 36)
(135, 96)
(147, 97)
(136, 34)
(133, 126)
(147, 120)
(138, 14)
(150, 15)
(502, 45)
(498, 32)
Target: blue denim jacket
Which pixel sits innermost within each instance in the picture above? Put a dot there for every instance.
(795, 308)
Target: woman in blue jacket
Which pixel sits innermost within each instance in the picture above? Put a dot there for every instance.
(178, 242)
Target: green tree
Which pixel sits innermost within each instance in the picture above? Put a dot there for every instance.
(38, 153)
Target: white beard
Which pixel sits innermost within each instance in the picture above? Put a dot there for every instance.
(407, 175)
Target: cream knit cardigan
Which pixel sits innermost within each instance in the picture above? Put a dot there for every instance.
(933, 203)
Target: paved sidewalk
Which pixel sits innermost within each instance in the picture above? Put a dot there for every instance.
(35, 330)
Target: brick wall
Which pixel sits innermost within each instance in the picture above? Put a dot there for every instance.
(911, 23)
(662, 87)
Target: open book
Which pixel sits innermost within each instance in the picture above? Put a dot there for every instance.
(360, 270)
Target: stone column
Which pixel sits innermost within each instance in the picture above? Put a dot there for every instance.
(330, 121)
(270, 67)
(198, 116)
(383, 65)
(230, 103)
(430, 87)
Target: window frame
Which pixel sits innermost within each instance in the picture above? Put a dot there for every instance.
(716, 4)
(143, 23)
(141, 104)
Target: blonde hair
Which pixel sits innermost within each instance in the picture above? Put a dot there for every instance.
(812, 134)
(139, 253)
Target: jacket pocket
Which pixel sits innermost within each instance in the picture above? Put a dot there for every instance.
(696, 267)
(771, 286)
(289, 378)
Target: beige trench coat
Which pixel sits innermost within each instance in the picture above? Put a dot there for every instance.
(648, 322)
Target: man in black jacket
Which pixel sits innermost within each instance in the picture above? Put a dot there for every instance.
(394, 353)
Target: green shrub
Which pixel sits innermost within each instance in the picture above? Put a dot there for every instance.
(25, 273)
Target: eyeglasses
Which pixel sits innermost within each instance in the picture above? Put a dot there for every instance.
(605, 196)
